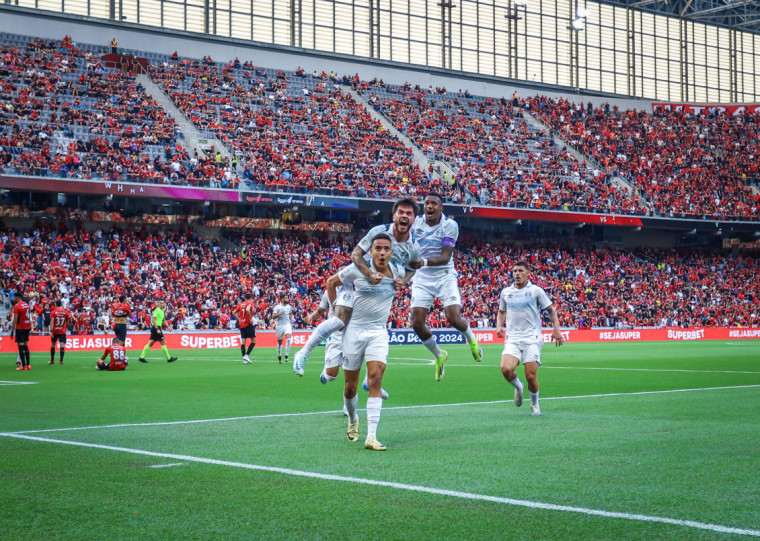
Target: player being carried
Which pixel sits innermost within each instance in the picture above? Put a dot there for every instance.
(118, 354)
(404, 251)
(437, 278)
(520, 307)
(244, 314)
(59, 322)
(366, 338)
(283, 316)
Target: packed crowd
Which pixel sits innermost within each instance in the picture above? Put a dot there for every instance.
(202, 283)
(64, 114)
(293, 131)
(682, 164)
(498, 159)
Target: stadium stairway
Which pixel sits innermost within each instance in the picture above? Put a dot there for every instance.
(420, 158)
(191, 138)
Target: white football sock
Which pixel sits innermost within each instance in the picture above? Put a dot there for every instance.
(351, 404)
(517, 384)
(431, 344)
(469, 335)
(366, 380)
(287, 346)
(534, 399)
(279, 350)
(374, 405)
(323, 331)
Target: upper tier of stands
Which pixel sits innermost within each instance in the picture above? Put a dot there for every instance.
(65, 114)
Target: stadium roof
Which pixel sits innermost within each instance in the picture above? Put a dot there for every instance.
(741, 15)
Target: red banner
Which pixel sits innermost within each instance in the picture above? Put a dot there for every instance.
(709, 108)
(268, 339)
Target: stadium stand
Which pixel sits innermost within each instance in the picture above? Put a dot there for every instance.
(499, 160)
(683, 165)
(593, 286)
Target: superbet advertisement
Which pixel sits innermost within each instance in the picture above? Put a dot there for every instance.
(268, 339)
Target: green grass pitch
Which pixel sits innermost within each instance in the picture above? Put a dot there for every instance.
(636, 441)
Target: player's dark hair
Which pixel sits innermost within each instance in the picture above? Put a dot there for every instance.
(248, 296)
(382, 236)
(434, 194)
(122, 298)
(408, 202)
(523, 263)
(58, 303)
(18, 296)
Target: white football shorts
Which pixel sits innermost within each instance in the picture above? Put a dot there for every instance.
(334, 350)
(446, 289)
(282, 331)
(360, 345)
(525, 352)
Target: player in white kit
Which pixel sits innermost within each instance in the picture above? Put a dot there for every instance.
(520, 307)
(283, 314)
(436, 277)
(366, 337)
(404, 251)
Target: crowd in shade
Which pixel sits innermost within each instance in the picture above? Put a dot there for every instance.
(592, 286)
(65, 114)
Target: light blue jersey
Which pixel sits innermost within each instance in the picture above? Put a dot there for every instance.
(403, 252)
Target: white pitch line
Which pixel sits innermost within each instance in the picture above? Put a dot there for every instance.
(412, 488)
(652, 369)
(157, 466)
(385, 408)
(2, 383)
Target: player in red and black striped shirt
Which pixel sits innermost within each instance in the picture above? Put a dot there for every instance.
(118, 354)
(120, 311)
(59, 322)
(244, 314)
(21, 326)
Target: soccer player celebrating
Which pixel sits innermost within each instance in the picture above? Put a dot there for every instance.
(282, 314)
(366, 339)
(404, 250)
(520, 306)
(157, 323)
(120, 311)
(118, 354)
(21, 326)
(436, 277)
(59, 322)
(244, 313)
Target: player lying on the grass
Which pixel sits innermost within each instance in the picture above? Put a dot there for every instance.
(437, 278)
(366, 338)
(118, 357)
(333, 347)
(404, 249)
(520, 307)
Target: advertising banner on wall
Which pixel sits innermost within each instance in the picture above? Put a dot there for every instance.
(267, 339)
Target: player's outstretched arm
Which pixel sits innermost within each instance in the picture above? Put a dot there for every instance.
(333, 283)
